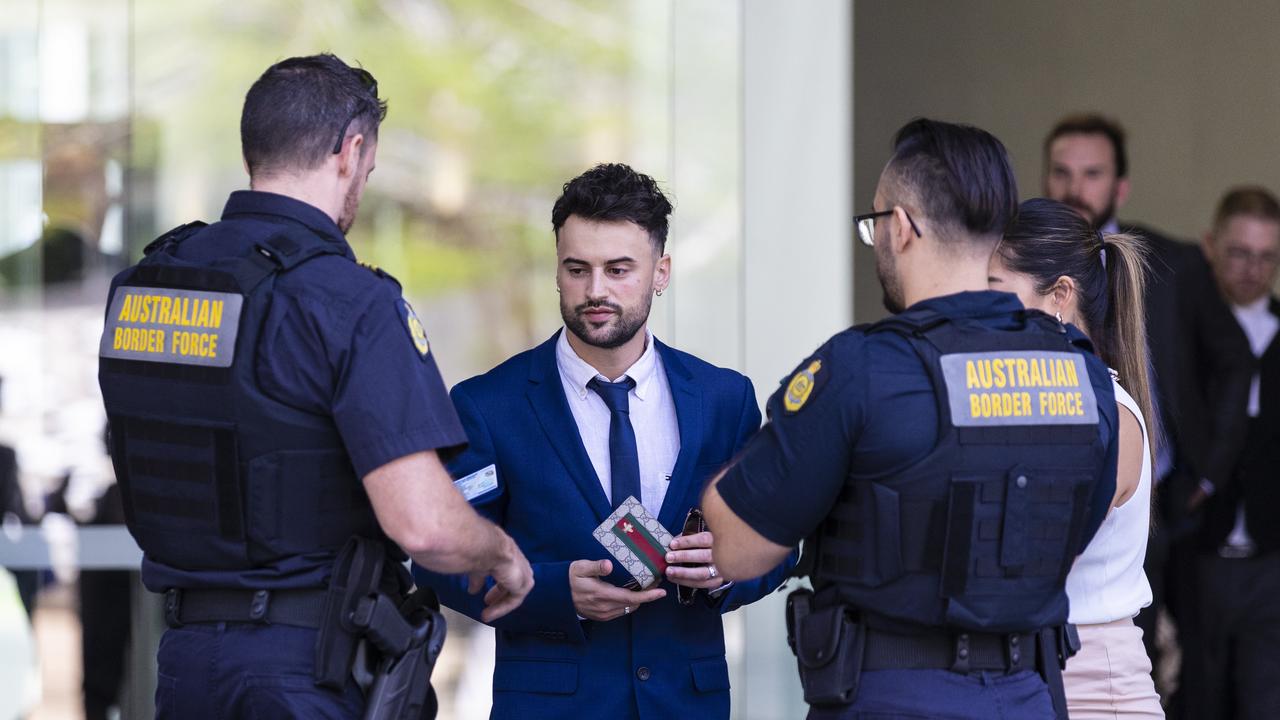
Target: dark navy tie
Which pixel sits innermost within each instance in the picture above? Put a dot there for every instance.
(624, 459)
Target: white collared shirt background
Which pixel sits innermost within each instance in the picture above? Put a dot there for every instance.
(1260, 328)
(653, 417)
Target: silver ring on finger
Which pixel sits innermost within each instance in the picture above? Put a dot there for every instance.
(711, 572)
(626, 609)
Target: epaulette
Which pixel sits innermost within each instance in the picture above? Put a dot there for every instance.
(174, 236)
(378, 271)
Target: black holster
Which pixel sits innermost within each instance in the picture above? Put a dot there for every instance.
(828, 644)
(401, 687)
(389, 647)
(1055, 646)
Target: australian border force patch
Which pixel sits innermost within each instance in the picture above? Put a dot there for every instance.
(1019, 387)
(417, 333)
(187, 327)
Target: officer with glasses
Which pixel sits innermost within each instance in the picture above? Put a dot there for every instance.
(944, 466)
(278, 426)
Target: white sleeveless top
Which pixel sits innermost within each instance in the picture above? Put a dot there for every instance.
(1107, 582)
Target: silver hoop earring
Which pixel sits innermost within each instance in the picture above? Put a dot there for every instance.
(1058, 315)
(658, 293)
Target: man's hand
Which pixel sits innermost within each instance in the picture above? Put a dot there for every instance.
(696, 550)
(595, 599)
(512, 577)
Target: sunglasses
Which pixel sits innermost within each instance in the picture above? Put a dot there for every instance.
(694, 523)
(367, 80)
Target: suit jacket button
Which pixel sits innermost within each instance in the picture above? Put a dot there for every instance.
(642, 673)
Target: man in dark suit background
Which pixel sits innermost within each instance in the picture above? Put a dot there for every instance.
(1239, 562)
(1199, 390)
(562, 434)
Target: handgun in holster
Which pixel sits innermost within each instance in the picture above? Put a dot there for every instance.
(408, 640)
(828, 644)
(388, 647)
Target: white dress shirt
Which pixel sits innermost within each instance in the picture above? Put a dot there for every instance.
(1260, 327)
(653, 417)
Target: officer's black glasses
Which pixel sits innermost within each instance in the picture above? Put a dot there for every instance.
(867, 225)
(371, 85)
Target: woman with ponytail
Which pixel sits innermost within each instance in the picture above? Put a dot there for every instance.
(1054, 261)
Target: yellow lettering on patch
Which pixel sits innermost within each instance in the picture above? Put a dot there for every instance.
(970, 375)
(984, 373)
(1021, 366)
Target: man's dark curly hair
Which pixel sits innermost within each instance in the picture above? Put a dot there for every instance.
(613, 192)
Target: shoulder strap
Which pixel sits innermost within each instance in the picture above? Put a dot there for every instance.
(288, 253)
(912, 324)
(275, 254)
(174, 236)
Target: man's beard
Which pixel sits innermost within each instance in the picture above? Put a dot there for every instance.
(1096, 220)
(886, 271)
(350, 204)
(622, 327)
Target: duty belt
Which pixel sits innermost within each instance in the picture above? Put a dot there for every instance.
(300, 608)
(959, 652)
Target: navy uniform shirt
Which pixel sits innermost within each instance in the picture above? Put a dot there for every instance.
(875, 411)
(336, 342)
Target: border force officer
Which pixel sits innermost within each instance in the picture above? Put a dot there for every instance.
(946, 465)
(277, 425)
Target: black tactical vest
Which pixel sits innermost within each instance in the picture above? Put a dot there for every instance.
(980, 533)
(215, 474)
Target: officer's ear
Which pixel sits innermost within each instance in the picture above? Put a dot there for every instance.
(349, 157)
(901, 233)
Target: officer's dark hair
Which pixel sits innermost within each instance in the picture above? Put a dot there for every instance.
(1091, 124)
(958, 176)
(1048, 241)
(612, 192)
(302, 108)
(1251, 201)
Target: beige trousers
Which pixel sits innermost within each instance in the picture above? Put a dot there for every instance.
(1111, 675)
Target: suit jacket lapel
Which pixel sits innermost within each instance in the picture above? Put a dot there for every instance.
(1274, 346)
(687, 396)
(546, 395)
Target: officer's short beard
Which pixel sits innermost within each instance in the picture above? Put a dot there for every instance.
(624, 325)
(887, 272)
(350, 205)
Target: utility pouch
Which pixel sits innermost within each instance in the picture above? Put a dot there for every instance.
(401, 688)
(357, 572)
(828, 644)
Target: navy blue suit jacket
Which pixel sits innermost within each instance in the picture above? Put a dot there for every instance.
(665, 660)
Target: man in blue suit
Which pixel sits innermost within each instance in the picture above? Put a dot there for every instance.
(561, 434)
